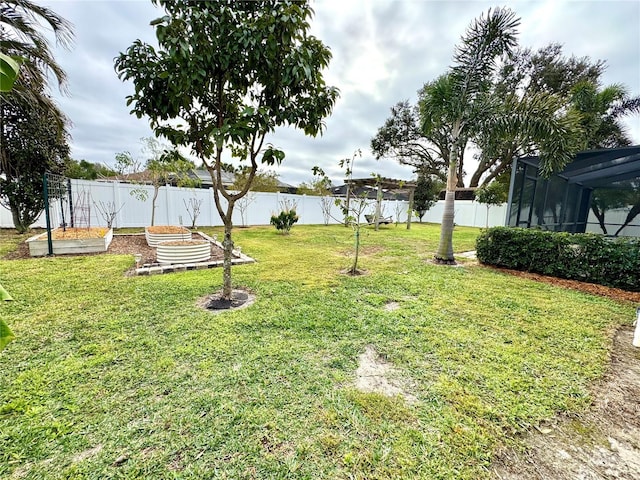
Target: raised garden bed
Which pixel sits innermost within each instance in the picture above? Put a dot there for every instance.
(71, 240)
(183, 251)
(165, 233)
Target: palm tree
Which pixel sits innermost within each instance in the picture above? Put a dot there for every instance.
(454, 97)
(600, 112)
(464, 100)
(21, 36)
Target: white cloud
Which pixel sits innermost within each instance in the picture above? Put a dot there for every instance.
(383, 52)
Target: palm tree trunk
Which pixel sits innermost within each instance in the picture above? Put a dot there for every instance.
(633, 213)
(444, 254)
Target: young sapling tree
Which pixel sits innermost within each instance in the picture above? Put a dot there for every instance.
(243, 206)
(492, 194)
(193, 207)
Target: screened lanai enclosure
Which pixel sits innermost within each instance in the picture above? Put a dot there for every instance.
(597, 192)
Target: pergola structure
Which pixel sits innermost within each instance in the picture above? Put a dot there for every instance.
(562, 201)
(384, 184)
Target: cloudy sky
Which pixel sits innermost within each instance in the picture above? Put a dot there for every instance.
(383, 52)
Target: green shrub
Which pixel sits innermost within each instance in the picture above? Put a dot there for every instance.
(584, 256)
(284, 221)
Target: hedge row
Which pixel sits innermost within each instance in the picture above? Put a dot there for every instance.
(585, 257)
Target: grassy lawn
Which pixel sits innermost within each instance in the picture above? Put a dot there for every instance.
(125, 377)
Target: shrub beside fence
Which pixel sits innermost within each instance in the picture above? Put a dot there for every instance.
(585, 257)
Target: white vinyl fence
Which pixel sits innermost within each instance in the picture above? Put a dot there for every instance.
(171, 209)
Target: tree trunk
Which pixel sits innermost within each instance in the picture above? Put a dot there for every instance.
(227, 245)
(600, 216)
(346, 215)
(633, 213)
(410, 210)
(354, 269)
(18, 223)
(153, 204)
(444, 254)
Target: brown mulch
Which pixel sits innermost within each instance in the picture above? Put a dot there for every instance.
(601, 290)
(120, 245)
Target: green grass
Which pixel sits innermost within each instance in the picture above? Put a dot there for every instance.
(125, 377)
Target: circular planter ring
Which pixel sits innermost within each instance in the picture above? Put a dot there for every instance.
(178, 251)
(155, 235)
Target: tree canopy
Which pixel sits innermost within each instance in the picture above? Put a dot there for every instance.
(426, 194)
(22, 37)
(229, 73)
(83, 169)
(32, 143)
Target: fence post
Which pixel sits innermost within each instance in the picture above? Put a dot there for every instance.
(115, 191)
(45, 193)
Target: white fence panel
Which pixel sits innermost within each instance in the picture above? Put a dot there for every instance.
(171, 208)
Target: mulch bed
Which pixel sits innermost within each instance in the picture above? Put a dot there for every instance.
(601, 290)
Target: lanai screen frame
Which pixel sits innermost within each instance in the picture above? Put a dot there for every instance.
(562, 201)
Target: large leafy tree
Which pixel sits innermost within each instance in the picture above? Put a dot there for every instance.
(401, 138)
(527, 83)
(32, 142)
(546, 70)
(229, 73)
(86, 170)
(263, 181)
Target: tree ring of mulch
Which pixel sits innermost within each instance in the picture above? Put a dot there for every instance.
(358, 272)
(240, 298)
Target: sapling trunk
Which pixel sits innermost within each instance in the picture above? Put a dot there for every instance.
(354, 269)
(156, 190)
(227, 245)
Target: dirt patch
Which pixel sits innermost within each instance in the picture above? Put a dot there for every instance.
(391, 306)
(354, 273)
(602, 443)
(375, 374)
(87, 454)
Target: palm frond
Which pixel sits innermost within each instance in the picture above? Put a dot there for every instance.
(487, 38)
(25, 15)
